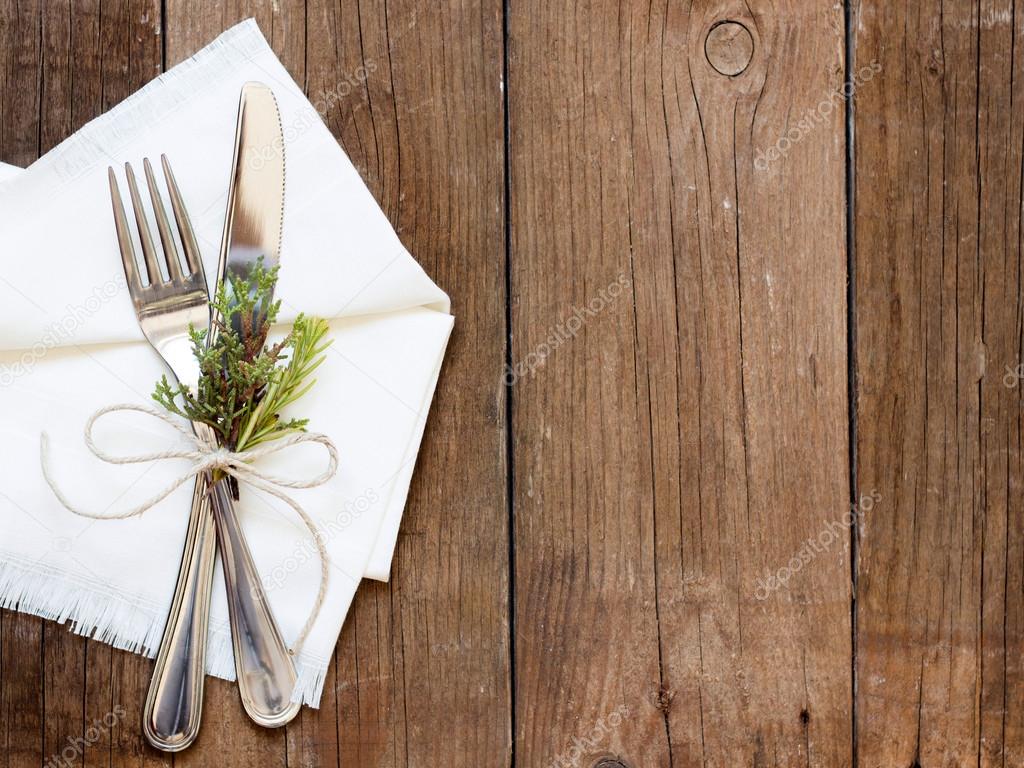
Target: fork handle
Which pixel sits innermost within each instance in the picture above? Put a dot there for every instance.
(263, 664)
(174, 703)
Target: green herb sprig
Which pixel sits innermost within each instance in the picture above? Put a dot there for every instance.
(245, 382)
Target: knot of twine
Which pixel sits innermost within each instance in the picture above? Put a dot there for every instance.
(206, 456)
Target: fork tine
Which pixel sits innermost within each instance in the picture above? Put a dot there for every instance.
(188, 237)
(124, 239)
(170, 249)
(148, 251)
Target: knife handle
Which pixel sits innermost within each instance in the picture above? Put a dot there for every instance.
(174, 703)
(263, 663)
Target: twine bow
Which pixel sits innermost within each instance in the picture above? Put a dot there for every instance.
(207, 456)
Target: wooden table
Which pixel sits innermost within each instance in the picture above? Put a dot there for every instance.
(725, 463)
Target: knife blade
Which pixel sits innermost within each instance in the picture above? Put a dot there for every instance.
(253, 227)
(254, 221)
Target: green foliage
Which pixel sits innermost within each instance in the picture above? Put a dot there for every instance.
(244, 382)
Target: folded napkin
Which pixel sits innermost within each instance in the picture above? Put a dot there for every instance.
(70, 343)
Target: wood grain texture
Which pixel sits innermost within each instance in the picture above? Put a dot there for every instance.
(938, 245)
(761, 361)
(692, 435)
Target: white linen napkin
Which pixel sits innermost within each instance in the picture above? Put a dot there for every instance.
(69, 344)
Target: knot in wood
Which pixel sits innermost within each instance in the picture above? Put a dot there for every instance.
(729, 47)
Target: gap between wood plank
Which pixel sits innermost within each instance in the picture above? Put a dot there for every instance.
(509, 442)
(851, 358)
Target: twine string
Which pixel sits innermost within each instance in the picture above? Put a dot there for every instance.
(207, 456)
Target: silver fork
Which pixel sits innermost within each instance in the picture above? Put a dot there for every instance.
(166, 309)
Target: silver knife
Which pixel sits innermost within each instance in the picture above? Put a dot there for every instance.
(252, 231)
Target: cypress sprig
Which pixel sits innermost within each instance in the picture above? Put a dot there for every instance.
(245, 382)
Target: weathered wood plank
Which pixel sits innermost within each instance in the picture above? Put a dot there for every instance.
(21, 72)
(22, 694)
(63, 656)
(938, 244)
(93, 55)
(450, 602)
(586, 623)
(22, 645)
(117, 48)
(412, 91)
(675, 443)
(342, 731)
(21, 637)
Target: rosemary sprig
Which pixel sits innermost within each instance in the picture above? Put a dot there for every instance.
(245, 383)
